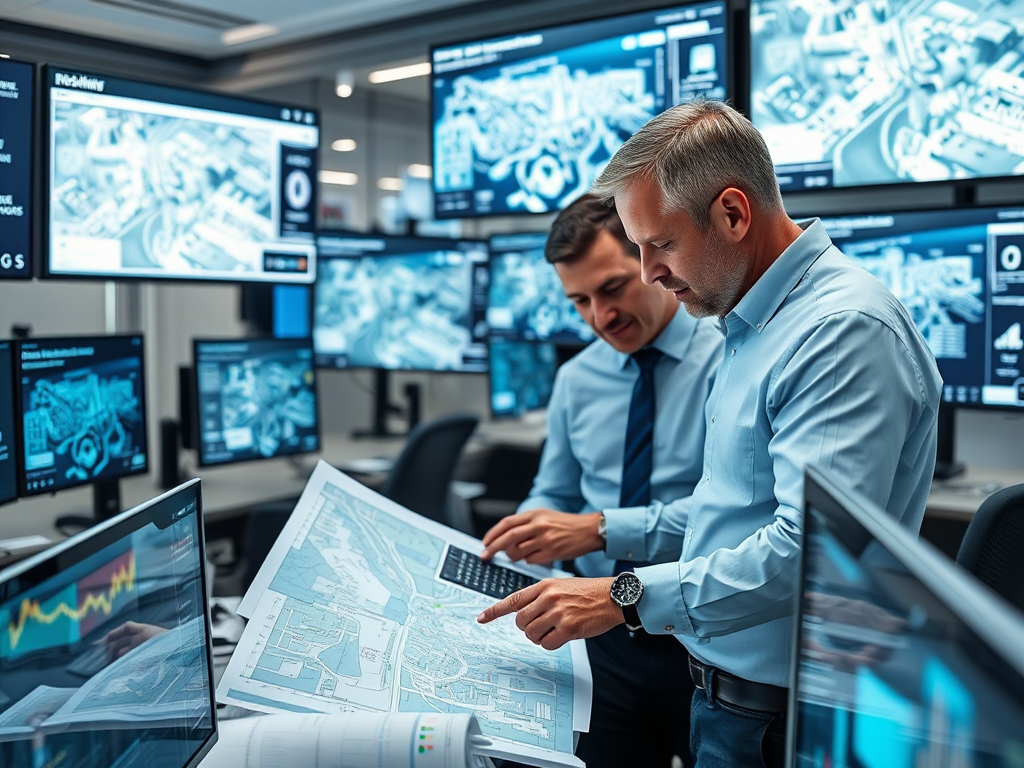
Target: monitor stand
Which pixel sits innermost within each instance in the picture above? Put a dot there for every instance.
(106, 503)
(382, 407)
(946, 465)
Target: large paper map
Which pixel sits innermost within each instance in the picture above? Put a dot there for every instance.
(348, 613)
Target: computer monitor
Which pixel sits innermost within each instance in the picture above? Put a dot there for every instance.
(256, 399)
(149, 181)
(863, 93)
(8, 419)
(961, 275)
(105, 646)
(400, 303)
(83, 411)
(17, 92)
(900, 658)
(522, 376)
(526, 301)
(524, 123)
(292, 312)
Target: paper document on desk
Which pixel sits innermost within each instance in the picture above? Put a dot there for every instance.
(349, 613)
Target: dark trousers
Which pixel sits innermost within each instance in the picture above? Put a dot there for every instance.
(726, 736)
(642, 697)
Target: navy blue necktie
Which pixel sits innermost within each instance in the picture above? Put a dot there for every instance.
(638, 452)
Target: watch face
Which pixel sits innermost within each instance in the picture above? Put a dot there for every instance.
(627, 589)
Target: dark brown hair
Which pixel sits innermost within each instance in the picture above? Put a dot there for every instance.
(578, 225)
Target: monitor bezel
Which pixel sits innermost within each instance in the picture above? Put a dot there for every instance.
(495, 416)
(196, 418)
(930, 210)
(34, 180)
(984, 613)
(748, 97)
(380, 236)
(731, 50)
(44, 136)
(143, 469)
(15, 444)
(52, 561)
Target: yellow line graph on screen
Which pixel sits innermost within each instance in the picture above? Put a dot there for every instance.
(122, 580)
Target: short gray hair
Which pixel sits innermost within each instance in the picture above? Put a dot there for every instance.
(692, 152)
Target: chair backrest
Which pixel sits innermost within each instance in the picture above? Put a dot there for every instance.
(993, 547)
(423, 472)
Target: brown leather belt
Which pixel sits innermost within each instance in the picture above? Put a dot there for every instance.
(747, 694)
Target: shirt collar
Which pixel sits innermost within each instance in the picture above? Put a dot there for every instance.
(674, 338)
(765, 296)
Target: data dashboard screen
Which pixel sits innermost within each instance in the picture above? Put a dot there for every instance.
(526, 301)
(148, 181)
(83, 411)
(960, 273)
(862, 93)
(401, 303)
(522, 376)
(524, 123)
(257, 399)
(17, 80)
(105, 646)
(8, 441)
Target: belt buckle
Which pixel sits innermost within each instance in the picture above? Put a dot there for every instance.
(702, 672)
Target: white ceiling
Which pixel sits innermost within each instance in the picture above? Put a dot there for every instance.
(194, 27)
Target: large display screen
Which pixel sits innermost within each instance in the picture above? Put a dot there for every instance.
(16, 137)
(257, 399)
(961, 275)
(525, 122)
(401, 303)
(862, 93)
(148, 181)
(522, 376)
(902, 660)
(83, 411)
(105, 648)
(526, 301)
(8, 441)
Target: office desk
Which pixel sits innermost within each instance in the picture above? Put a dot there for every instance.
(959, 498)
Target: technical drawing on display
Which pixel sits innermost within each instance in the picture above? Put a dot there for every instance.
(858, 92)
(348, 613)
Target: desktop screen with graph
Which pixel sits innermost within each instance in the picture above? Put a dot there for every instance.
(901, 659)
(960, 273)
(105, 646)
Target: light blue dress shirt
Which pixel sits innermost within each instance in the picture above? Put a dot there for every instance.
(821, 365)
(581, 468)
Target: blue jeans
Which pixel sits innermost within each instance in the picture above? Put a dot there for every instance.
(726, 736)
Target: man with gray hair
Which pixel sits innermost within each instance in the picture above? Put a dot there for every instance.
(822, 366)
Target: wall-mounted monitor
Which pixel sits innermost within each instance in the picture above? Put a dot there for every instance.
(522, 376)
(83, 411)
(8, 431)
(900, 658)
(401, 303)
(861, 93)
(256, 399)
(526, 301)
(149, 181)
(17, 137)
(961, 275)
(524, 123)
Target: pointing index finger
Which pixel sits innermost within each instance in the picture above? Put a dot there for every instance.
(511, 604)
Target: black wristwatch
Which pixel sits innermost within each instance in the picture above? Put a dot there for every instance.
(627, 590)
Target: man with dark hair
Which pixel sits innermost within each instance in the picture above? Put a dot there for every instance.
(625, 429)
(822, 366)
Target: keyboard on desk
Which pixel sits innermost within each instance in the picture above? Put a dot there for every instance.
(467, 570)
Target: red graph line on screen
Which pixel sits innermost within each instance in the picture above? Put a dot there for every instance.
(121, 580)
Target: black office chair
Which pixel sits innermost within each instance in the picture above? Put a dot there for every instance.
(993, 546)
(422, 475)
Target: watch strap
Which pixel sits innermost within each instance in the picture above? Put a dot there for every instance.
(632, 617)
